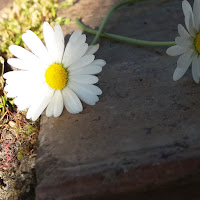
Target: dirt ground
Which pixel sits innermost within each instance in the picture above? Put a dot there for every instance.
(17, 150)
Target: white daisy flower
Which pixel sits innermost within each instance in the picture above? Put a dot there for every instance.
(188, 43)
(53, 76)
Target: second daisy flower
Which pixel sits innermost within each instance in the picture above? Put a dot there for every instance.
(188, 43)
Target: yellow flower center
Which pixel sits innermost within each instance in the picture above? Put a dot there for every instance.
(56, 76)
(197, 43)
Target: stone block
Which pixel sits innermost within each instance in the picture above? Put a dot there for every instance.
(143, 133)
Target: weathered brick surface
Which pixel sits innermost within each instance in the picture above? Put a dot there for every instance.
(144, 131)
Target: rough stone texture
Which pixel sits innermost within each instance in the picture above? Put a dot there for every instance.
(144, 131)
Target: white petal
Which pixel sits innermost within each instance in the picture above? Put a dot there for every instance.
(50, 107)
(75, 49)
(182, 32)
(71, 101)
(21, 103)
(81, 40)
(187, 10)
(183, 63)
(185, 59)
(178, 73)
(15, 75)
(24, 65)
(99, 62)
(24, 77)
(55, 107)
(73, 53)
(59, 41)
(58, 107)
(75, 35)
(89, 69)
(92, 49)
(11, 93)
(87, 93)
(91, 89)
(49, 38)
(184, 42)
(26, 94)
(195, 69)
(17, 63)
(54, 41)
(175, 50)
(84, 79)
(23, 54)
(15, 90)
(17, 79)
(196, 11)
(41, 101)
(24, 100)
(36, 46)
(84, 61)
(191, 26)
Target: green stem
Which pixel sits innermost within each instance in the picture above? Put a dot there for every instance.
(108, 15)
(117, 37)
(121, 38)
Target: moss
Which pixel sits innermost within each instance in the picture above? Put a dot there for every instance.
(18, 144)
(28, 15)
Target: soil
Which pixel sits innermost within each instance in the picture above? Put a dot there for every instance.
(17, 157)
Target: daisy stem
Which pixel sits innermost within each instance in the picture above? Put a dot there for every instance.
(117, 37)
(121, 38)
(118, 5)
